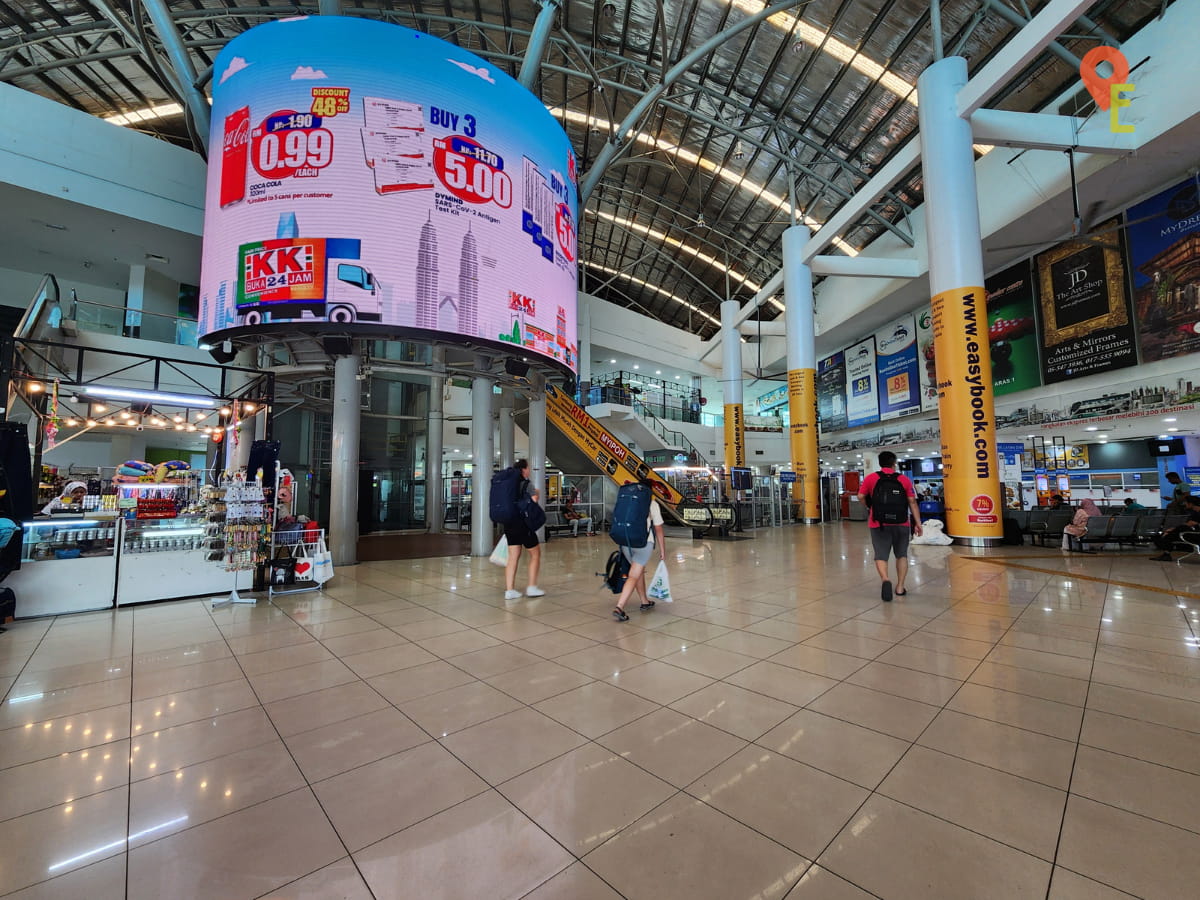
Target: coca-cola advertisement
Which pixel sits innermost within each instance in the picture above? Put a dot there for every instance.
(235, 156)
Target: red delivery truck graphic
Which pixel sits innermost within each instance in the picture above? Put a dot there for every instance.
(296, 278)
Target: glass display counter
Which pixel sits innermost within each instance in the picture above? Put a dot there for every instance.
(164, 559)
(67, 565)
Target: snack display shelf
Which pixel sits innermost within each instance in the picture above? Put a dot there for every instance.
(167, 559)
(67, 565)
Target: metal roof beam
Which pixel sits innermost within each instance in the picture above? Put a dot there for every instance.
(181, 64)
(1008, 62)
(611, 149)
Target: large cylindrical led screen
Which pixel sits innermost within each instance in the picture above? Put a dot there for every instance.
(363, 174)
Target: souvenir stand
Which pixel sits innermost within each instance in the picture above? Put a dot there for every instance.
(294, 545)
(239, 515)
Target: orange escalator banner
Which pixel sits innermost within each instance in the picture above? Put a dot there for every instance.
(610, 455)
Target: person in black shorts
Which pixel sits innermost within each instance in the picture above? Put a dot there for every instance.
(519, 535)
(887, 540)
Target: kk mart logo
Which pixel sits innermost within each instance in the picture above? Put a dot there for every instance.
(1107, 90)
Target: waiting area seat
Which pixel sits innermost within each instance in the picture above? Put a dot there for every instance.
(1051, 528)
(1116, 525)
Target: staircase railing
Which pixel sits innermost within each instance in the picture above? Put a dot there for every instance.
(669, 436)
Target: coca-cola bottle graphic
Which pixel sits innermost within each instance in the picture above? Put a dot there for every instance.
(235, 156)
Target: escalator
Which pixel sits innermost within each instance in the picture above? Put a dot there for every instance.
(578, 443)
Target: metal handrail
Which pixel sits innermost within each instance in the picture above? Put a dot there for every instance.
(669, 435)
(126, 319)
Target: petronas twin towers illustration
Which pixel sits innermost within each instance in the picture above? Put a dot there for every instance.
(429, 304)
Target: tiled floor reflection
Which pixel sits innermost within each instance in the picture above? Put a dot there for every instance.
(1024, 724)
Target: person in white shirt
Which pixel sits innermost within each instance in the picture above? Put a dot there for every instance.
(638, 558)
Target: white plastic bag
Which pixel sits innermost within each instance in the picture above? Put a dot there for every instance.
(660, 587)
(499, 556)
(933, 534)
(322, 563)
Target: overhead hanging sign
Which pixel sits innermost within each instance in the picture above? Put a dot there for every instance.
(375, 177)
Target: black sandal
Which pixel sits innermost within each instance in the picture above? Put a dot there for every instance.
(903, 593)
(649, 604)
(620, 615)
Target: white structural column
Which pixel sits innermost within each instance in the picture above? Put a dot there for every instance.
(434, 449)
(343, 462)
(508, 430)
(481, 458)
(537, 447)
(245, 434)
(585, 347)
(731, 387)
(960, 339)
(800, 324)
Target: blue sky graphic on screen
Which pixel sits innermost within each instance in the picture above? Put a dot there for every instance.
(364, 173)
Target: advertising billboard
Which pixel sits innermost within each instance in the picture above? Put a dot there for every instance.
(1086, 324)
(896, 366)
(862, 397)
(366, 174)
(1012, 330)
(1164, 254)
(831, 391)
(927, 360)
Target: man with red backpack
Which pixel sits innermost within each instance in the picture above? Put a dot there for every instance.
(893, 517)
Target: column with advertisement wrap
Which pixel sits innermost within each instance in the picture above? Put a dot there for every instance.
(960, 323)
(731, 384)
(802, 375)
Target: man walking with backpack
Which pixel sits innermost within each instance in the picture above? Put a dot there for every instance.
(894, 516)
(635, 514)
(512, 495)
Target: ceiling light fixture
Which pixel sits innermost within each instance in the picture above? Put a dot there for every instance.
(125, 394)
(736, 178)
(653, 287)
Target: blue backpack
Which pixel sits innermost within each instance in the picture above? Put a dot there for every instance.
(506, 491)
(629, 528)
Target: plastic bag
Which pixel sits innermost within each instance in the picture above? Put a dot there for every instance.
(660, 587)
(499, 556)
(322, 561)
(933, 534)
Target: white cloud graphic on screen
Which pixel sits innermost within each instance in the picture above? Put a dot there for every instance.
(481, 71)
(307, 73)
(235, 65)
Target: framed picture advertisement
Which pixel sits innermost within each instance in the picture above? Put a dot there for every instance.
(1086, 321)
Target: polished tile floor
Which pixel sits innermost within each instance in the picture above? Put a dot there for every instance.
(1024, 724)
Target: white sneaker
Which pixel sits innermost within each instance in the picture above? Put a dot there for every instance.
(512, 595)
(534, 591)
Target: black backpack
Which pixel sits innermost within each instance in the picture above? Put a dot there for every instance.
(629, 528)
(616, 570)
(506, 491)
(889, 501)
